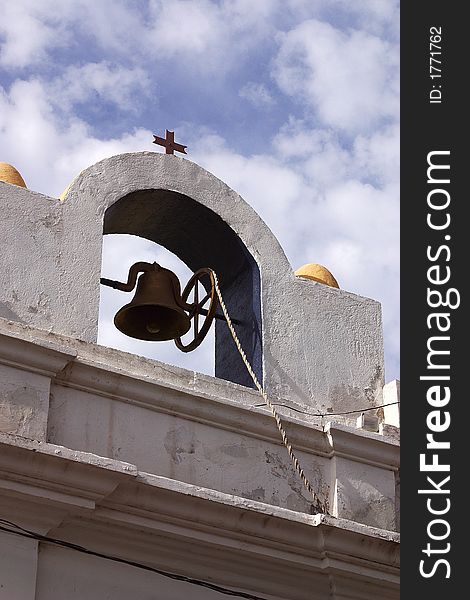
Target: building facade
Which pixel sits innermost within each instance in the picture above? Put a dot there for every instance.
(126, 477)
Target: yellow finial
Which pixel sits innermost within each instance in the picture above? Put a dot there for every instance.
(9, 174)
(317, 273)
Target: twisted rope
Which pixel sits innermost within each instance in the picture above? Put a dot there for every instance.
(318, 505)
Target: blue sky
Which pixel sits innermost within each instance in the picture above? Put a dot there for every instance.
(293, 103)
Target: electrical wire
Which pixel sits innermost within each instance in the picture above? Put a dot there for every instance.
(26, 533)
(347, 412)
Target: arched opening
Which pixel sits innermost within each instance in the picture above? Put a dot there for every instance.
(199, 238)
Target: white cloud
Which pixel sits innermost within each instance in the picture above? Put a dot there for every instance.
(349, 79)
(378, 155)
(102, 81)
(31, 29)
(379, 17)
(23, 37)
(51, 152)
(257, 94)
(204, 35)
(366, 215)
(208, 37)
(376, 16)
(180, 27)
(318, 153)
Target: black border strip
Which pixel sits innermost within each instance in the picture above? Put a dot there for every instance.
(430, 127)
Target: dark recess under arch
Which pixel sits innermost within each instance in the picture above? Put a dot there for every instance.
(201, 238)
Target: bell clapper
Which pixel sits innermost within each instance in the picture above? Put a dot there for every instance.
(152, 328)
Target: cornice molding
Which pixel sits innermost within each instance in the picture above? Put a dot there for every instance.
(38, 356)
(56, 474)
(173, 390)
(199, 532)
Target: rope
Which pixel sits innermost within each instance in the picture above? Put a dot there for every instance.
(318, 505)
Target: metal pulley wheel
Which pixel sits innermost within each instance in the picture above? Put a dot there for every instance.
(201, 311)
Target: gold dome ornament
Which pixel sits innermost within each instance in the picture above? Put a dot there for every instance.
(9, 174)
(318, 273)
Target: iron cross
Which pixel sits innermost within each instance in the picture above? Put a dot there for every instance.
(169, 143)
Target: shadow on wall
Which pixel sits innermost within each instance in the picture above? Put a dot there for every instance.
(184, 236)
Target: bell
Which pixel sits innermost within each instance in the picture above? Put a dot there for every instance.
(154, 313)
